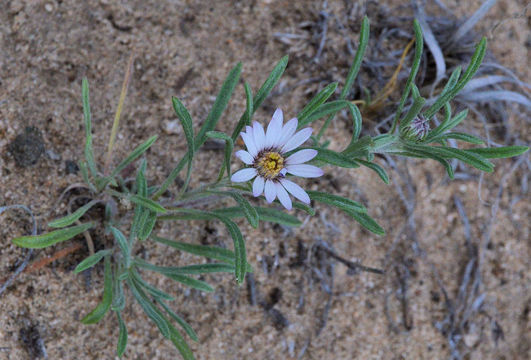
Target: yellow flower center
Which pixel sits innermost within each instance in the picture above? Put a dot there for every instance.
(269, 164)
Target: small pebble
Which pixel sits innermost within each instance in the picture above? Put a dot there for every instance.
(48, 7)
(71, 167)
(171, 127)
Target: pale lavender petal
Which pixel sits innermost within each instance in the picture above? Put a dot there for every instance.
(259, 136)
(296, 140)
(303, 170)
(283, 172)
(244, 156)
(283, 196)
(249, 143)
(249, 129)
(243, 175)
(270, 191)
(287, 132)
(295, 190)
(258, 186)
(301, 156)
(274, 129)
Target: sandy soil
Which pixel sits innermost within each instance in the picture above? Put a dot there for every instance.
(185, 48)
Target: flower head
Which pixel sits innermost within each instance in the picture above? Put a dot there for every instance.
(268, 164)
(418, 129)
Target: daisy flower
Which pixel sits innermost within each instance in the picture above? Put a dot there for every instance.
(268, 164)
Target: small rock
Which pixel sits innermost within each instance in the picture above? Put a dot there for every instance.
(28, 147)
(471, 339)
(71, 167)
(171, 127)
(48, 7)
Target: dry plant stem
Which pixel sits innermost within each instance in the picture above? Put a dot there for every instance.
(116, 122)
(39, 264)
(7, 282)
(88, 239)
(391, 84)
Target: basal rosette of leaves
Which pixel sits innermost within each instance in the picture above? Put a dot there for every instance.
(273, 158)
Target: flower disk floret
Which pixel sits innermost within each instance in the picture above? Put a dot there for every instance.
(268, 164)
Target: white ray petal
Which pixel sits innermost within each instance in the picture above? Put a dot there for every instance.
(301, 156)
(249, 143)
(304, 170)
(243, 175)
(287, 132)
(270, 191)
(244, 156)
(274, 129)
(296, 140)
(295, 190)
(259, 136)
(258, 186)
(283, 196)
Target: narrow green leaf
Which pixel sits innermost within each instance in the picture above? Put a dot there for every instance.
(356, 123)
(148, 225)
(264, 214)
(123, 244)
(232, 228)
(182, 323)
(229, 145)
(85, 175)
(196, 269)
(249, 105)
(186, 122)
(70, 219)
(472, 159)
(367, 222)
(270, 82)
(472, 68)
(51, 238)
(118, 301)
(139, 150)
(452, 81)
(122, 337)
(359, 148)
(376, 168)
(248, 210)
(499, 152)
(148, 203)
(191, 282)
(180, 344)
(99, 312)
(323, 110)
(298, 205)
(462, 137)
(211, 252)
(91, 260)
(219, 105)
(358, 58)
(262, 94)
(427, 155)
(89, 152)
(151, 311)
(447, 124)
(337, 201)
(158, 294)
(419, 45)
(334, 158)
(316, 101)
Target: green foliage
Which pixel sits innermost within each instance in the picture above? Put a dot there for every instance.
(51, 238)
(133, 207)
